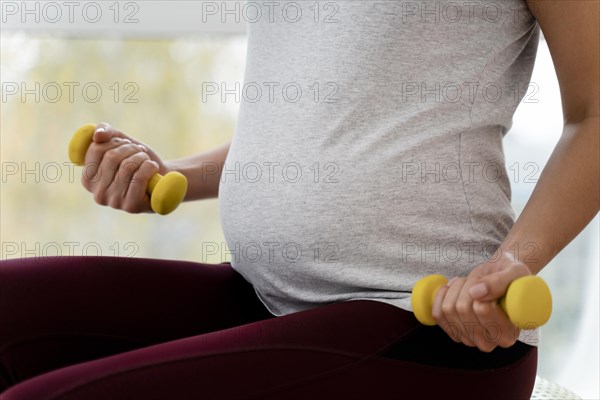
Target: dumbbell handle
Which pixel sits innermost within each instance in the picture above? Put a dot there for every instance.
(527, 302)
(166, 192)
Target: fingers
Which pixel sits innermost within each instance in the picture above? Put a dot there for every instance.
(120, 179)
(474, 323)
(439, 315)
(496, 328)
(459, 317)
(118, 185)
(486, 324)
(136, 199)
(118, 168)
(103, 161)
(104, 132)
(127, 191)
(95, 153)
(113, 161)
(495, 285)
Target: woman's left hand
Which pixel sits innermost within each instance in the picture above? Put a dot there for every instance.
(467, 309)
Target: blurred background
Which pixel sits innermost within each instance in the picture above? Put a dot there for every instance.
(140, 66)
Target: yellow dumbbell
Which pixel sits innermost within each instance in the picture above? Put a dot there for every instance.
(527, 302)
(166, 192)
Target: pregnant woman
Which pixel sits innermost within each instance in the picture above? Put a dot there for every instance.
(372, 157)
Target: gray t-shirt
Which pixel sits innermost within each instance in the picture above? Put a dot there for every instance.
(368, 152)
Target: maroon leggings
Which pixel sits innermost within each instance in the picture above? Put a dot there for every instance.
(87, 328)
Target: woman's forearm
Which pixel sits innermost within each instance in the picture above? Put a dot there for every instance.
(564, 201)
(203, 172)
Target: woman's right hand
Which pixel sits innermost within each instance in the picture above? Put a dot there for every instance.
(118, 168)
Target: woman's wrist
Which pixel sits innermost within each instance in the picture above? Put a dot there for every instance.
(527, 252)
(203, 172)
(168, 166)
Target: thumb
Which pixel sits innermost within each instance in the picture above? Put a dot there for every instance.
(493, 286)
(104, 132)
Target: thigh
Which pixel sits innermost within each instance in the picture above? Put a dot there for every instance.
(57, 311)
(259, 359)
(334, 351)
